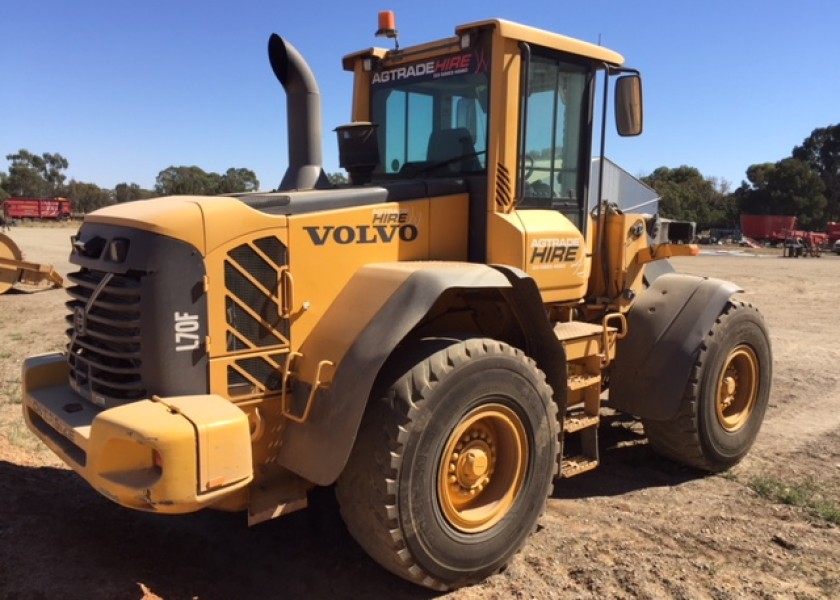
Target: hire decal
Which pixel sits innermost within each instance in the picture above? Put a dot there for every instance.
(387, 226)
(457, 64)
(555, 253)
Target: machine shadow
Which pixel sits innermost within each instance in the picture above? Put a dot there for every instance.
(95, 549)
(627, 464)
(91, 548)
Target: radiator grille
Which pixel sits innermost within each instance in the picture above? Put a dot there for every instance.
(252, 305)
(256, 375)
(252, 277)
(104, 352)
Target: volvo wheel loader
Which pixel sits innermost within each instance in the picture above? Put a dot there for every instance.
(436, 338)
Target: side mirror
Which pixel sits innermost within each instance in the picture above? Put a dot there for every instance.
(628, 105)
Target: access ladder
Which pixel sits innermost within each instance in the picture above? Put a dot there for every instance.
(589, 349)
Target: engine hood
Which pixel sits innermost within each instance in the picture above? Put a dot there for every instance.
(178, 217)
(204, 222)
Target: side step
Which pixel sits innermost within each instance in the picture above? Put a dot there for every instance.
(589, 348)
(585, 428)
(573, 424)
(575, 465)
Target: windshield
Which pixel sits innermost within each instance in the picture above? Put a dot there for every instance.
(432, 116)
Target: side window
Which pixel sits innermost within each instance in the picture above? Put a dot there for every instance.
(406, 139)
(552, 143)
(467, 113)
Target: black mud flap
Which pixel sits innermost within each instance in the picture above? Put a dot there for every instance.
(664, 330)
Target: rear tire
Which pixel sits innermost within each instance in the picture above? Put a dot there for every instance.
(452, 467)
(725, 398)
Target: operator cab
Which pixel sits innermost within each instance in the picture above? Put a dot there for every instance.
(505, 103)
(429, 118)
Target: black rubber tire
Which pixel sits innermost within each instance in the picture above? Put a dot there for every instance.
(696, 436)
(389, 493)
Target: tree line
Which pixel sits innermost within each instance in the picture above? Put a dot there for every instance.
(43, 176)
(805, 184)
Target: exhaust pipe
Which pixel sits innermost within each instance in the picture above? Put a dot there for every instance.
(303, 116)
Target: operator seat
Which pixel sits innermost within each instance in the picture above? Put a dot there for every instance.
(450, 144)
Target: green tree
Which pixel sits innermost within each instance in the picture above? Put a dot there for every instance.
(725, 212)
(337, 178)
(35, 175)
(3, 193)
(788, 187)
(752, 195)
(87, 197)
(126, 192)
(54, 165)
(175, 181)
(686, 195)
(237, 181)
(821, 151)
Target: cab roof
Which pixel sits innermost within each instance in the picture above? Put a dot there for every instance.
(541, 37)
(515, 31)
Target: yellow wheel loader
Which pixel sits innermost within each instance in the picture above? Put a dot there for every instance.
(435, 338)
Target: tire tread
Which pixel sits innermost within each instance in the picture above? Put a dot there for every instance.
(367, 490)
(679, 438)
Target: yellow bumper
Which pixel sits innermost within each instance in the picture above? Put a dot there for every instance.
(169, 455)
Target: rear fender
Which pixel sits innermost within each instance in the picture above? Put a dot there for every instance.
(398, 296)
(665, 328)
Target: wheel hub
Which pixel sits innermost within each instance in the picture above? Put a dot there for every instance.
(729, 384)
(482, 468)
(471, 463)
(737, 388)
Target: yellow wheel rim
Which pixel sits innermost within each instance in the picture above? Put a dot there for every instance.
(482, 468)
(737, 388)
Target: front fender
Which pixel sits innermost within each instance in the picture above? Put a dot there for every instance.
(398, 296)
(665, 328)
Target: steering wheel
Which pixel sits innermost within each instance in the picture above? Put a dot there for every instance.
(529, 166)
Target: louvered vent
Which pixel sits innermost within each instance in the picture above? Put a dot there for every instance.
(504, 197)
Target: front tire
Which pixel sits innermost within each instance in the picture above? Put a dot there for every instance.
(452, 467)
(725, 398)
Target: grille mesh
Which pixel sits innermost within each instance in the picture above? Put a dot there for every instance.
(104, 349)
(266, 371)
(252, 305)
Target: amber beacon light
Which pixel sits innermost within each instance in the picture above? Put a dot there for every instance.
(388, 27)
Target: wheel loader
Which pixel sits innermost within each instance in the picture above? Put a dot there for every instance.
(435, 339)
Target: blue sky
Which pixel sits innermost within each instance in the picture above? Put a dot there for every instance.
(125, 89)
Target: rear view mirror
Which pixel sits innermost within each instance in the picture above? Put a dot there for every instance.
(628, 105)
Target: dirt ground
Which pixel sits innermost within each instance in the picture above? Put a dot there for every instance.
(638, 527)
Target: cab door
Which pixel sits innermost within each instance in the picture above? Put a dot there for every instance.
(543, 234)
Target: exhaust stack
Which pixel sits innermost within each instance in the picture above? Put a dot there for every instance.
(303, 116)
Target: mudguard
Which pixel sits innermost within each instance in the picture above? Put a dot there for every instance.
(318, 449)
(542, 343)
(665, 328)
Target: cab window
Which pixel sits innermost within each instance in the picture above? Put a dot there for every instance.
(431, 117)
(555, 107)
